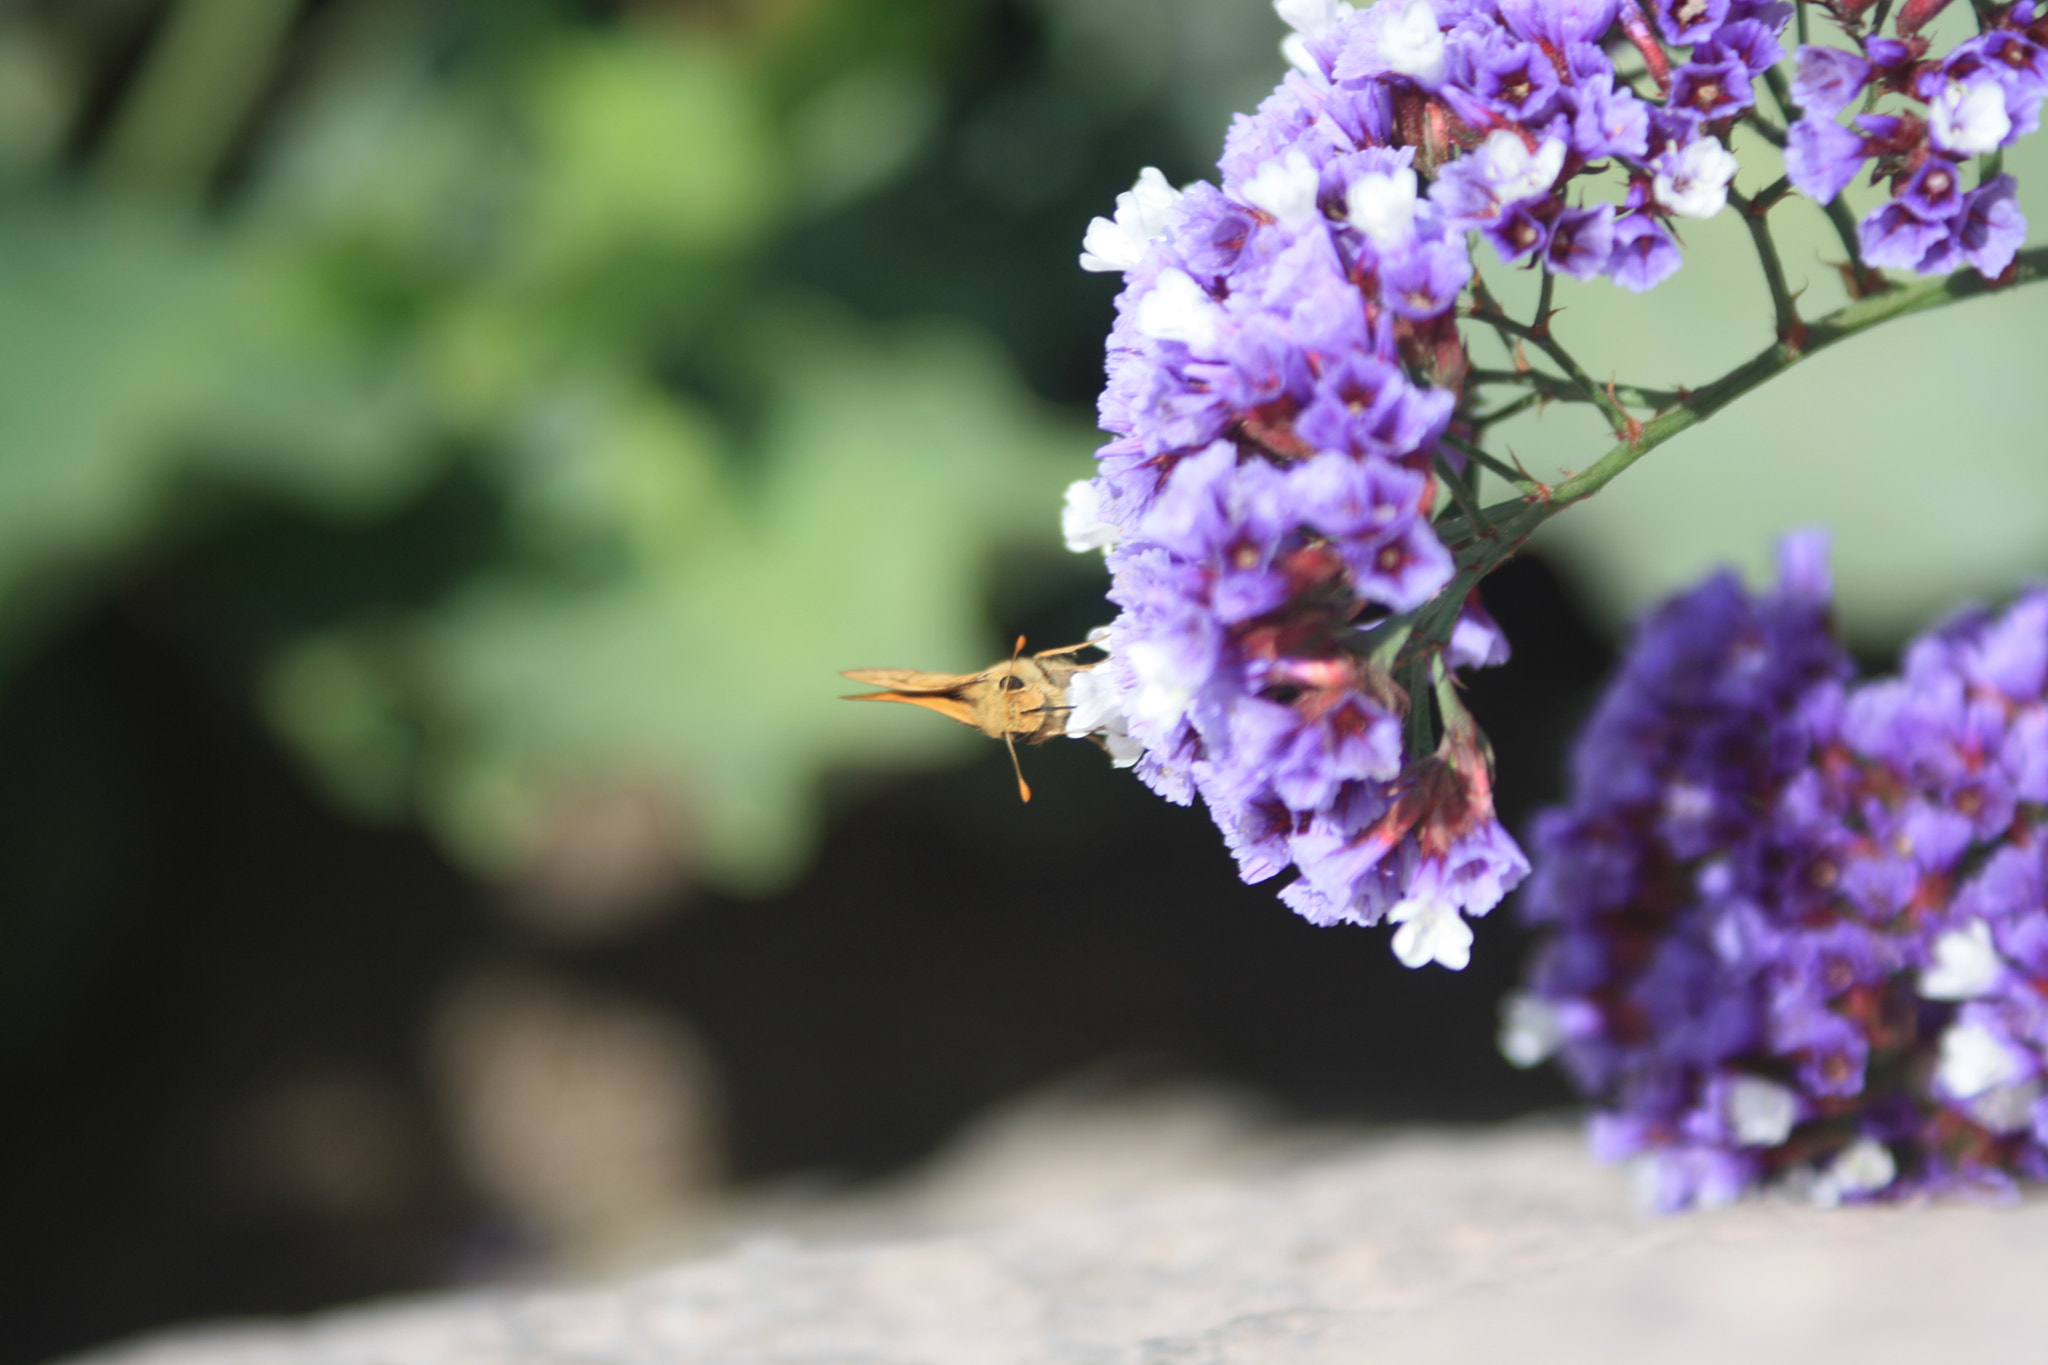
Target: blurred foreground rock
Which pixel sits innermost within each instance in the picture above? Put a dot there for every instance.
(1416, 1246)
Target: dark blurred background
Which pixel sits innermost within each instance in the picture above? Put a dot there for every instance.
(447, 449)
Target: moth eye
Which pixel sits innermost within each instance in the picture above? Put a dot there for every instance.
(1011, 682)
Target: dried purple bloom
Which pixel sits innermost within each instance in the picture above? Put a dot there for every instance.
(1981, 97)
(1794, 928)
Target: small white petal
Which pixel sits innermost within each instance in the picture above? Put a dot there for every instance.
(1965, 964)
(1105, 247)
(1096, 711)
(1514, 171)
(1311, 17)
(1694, 182)
(1286, 188)
(1294, 48)
(1531, 1030)
(1124, 750)
(1410, 43)
(1431, 930)
(1081, 521)
(2006, 1108)
(1864, 1165)
(1973, 1060)
(1144, 215)
(1146, 208)
(1688, 803)
(1382, 206)
(1178, 309)
(1092, 702)
(1761, 1112)
(1164, 693)
(1969, 118)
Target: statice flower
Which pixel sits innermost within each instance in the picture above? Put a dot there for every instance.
(1922, 123)
(1283, 370)
(1795, 927)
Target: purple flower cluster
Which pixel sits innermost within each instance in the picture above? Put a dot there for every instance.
(1796, 928)
(1284, 365)
(1982, 96)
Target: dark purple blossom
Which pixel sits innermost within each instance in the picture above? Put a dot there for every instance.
(1826, 79)
(1991, 228)
(1711, 90)
(1686, 22)
(1644, 254)
(1794, 929)
(1581, 241)
(1898, 235)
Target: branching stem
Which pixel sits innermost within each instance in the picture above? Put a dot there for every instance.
(1486, 310)
(1791, 331)
(1514, 477)
(1564, 391)
(1480, 421)
(1512, 523)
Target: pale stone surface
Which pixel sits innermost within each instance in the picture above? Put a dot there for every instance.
(1417, 1246)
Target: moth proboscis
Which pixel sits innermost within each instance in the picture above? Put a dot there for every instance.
(1024, 697)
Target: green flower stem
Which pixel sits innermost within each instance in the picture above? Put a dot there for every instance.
(1755, 216)
(1554, 389)
(1513, 477)
(1481, 550)
(1485, 309)
(1464, 490)
(1480, 421)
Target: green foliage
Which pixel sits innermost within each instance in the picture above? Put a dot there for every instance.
(564, 493)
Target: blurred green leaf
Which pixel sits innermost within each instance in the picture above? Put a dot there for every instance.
(894, 460)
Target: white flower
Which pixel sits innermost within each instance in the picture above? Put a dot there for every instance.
(1431, 930)
(1081, 520)
(2006, 1108)
(1965, 964)
(1164, 691)
(1974, 1060)
(1294, 48)
(1177, 309)
(1144, 214)
(1382, 206)
(1286, 188)
(1969, 118)
(1761, 1112)
(1688, 803)
(1512, 171)
(1096, 710)
(1311, 17)
(1693, 182)
(1531, 1030)
(1863, 1166)
(1409, 41)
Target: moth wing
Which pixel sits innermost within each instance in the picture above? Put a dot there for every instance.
(910, 680)
(953, 708)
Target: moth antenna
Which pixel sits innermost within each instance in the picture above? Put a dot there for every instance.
(1011, 711)
(1023, 787)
